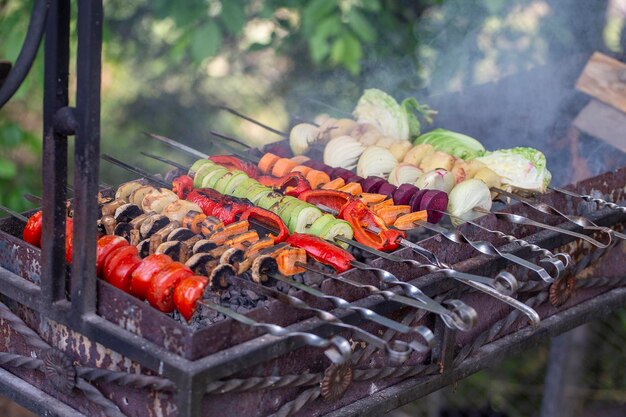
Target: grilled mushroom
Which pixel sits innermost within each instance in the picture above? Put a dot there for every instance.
(137, 221)
(109, 224)
(109, 208)
(263, 266)
(153, 224)
(203, 245)
(136, 197)
(144, 248)
(127, 212)
(232, 256)
(178, 209)
(125, 190)
(157, 199)
(123, 229)
(218, 276)
(166, 230)
(199, 263)
(171, 249)
(180, 234)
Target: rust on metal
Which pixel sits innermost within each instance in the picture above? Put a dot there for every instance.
(337, 379)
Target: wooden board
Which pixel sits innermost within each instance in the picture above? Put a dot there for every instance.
(604, 78)
(603, 122)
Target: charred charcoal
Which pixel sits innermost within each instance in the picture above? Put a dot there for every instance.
(251, 295)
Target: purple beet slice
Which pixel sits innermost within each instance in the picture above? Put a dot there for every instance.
(315, 165)
(403, 194)
(372, 184)
(387, 189)
(279, 150)
(416, 200)
(434, 200)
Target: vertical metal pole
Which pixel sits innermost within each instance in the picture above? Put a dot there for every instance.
(54, 160)
(86, 156)
(563, 377)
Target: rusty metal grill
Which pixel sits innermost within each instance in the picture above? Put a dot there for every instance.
(74, 344)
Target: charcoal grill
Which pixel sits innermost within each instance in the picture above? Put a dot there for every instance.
(74, 345)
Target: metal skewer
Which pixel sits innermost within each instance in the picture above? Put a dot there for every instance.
(488, 249)
(577, 220)
(589, 198)
(560, 260)
(517, 219)
(505, 282)
(338, 349)
(14, 214)
(256, 122)
(397, 351)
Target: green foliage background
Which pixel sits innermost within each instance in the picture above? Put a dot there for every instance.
(165, 65)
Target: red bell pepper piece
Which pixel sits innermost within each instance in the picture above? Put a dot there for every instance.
(232, 162)
(187, 293)
(161, 290)
(269, 219)
(294, 184)
(333, 199)
(142, 276)
(215, 204)
(32, 230)
(322, 251)
(361, 218)
(182, 186)
(269, 181)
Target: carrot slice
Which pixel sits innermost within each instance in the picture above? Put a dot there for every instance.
(210, 225)
(300, 159)
(389, 214)
(193, 221)
(267, 163)
(370, 198)
(408, 221)
(335, 184)
(287, 259)
(385, 203)
(239, 241)
(220, 236)
(353, 188)
(252, 252)
(302, 169)
(283, 167)
(317, 178)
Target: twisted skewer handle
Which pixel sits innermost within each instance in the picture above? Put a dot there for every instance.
(338, 349)
(589, 198)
